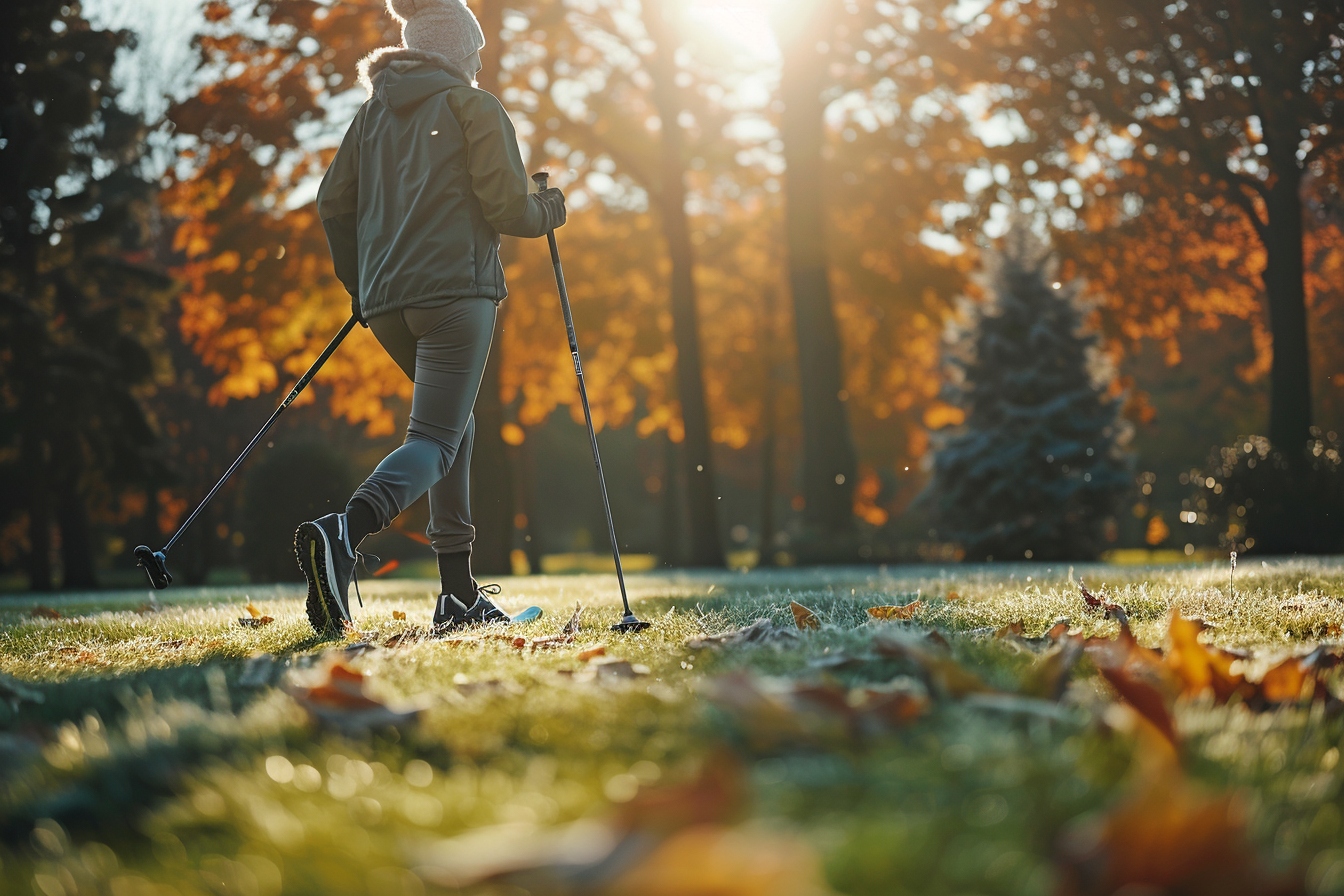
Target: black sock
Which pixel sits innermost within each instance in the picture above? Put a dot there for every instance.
(455, 576)
(360, 521)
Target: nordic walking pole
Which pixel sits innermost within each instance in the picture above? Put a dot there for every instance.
(628, 623)
(155, 563)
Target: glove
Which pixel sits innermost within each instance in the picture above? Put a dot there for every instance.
(553, 201)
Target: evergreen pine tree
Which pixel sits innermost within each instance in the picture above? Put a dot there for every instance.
(78, 308)
(1036, 468)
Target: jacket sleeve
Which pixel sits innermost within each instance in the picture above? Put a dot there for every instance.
(338, 206)
(496, 166)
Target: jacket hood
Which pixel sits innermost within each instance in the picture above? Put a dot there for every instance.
(405, 78)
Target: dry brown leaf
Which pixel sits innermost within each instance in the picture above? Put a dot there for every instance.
(399, 615)
(952, 595)
(41, 611)
(803, 618)
(1011, 630)
(906, 611)
(708, 860)
(592, 653)
(339, 699)
(1049, 677)
(1169, 837)
(254, 621)
(781, 711)
(1199, 667)
(944, 675)
(572, 626)
(1288, 681)
(407, 638)
(252, 610)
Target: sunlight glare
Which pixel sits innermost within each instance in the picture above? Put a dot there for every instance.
(744, 24)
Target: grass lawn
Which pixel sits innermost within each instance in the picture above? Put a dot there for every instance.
(171, 749)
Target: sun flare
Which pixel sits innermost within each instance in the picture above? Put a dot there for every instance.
(744, 24)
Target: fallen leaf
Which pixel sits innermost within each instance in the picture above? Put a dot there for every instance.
(713, 859)
(1199, 667)
(1058, 629)
(907, 611)
(952, 595)
(572, 626)
(547, 641)
(773, 711)
(1048, 678)
(408, 637)
(41, 611)
(252, 610)
(1287, 681)
(936, 638)
(254, 621)
(944, 676)
(803, 618)
(592, 653)
(399, 614)
(1169, 837)
(1089, 598)
(339, 699)
(762, 631)
(1011, 630)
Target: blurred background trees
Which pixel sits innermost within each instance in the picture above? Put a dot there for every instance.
(79, 307)
(775, 208)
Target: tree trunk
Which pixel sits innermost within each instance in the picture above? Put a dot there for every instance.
(697, 455)
(76, 542)
(1285, 288)
(829, 464)
(39, 534)
(769, 432)
(491, 472)
(670, 506)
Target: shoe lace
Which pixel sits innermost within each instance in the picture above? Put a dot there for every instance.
(492, 588)
(362, 558)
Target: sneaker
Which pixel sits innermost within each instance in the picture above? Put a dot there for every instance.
(323, 550)
(451, 612)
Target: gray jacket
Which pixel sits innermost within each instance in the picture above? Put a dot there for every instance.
(427, 178)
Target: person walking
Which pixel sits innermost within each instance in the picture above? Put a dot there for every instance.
(426, 179)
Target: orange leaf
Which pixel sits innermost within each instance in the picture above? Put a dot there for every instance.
(803, 617)
(1011, 630)
(253, 611)
(907, 611)
(1201, 668)
(398, 614)
(592, 652)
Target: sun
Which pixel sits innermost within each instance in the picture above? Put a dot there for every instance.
(744, 24)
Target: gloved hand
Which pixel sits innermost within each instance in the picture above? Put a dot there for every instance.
(553, 201)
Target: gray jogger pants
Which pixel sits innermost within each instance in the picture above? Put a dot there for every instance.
(442, 347)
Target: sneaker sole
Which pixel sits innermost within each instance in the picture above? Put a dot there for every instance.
(313, 552)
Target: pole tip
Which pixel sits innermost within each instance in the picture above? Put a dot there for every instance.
(155, 565)
(630, 624)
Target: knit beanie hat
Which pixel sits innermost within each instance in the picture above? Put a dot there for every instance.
(446, 27)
